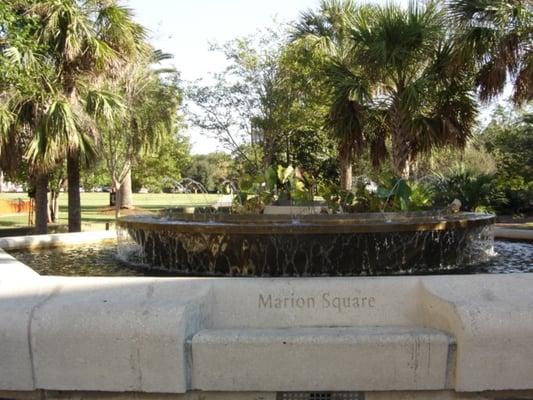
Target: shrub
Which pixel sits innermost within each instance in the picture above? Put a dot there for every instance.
(477, 192)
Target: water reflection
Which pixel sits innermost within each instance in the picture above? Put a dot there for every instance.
(100, 260)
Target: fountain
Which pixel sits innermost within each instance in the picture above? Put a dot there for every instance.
(307, 245)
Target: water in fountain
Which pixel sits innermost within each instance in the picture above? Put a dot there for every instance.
(310, 245)
(190, 187)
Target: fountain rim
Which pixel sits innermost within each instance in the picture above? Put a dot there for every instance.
(308, 224)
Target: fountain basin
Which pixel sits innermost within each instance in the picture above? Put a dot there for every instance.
(308, 245)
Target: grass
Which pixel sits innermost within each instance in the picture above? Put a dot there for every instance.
(94, 205)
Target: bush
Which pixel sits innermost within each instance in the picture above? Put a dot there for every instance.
(477, 192)
(518, 195)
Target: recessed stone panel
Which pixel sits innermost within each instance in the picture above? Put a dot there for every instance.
(321, 359)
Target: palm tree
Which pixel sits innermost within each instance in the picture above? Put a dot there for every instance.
(498, 35)
(26, 86)
(393, 77)
(427, 101)
(150, 99)
(83, 40)
(327, 32)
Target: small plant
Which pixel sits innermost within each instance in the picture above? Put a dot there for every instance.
(361, 199)
(395, 195)
(337, 200)
(277, 185)
(401, 195)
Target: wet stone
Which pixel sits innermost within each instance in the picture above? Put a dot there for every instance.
(291, 250)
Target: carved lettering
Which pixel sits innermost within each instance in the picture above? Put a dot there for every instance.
(292, 301)
(324, 300)
(265, 303)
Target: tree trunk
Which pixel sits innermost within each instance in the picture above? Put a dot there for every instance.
(126, 195)
(118, 189)
(401, 149)
(400, 157)
(1, 181)
(54, 206)
(346, 172)
(41, 204)
(74, 202)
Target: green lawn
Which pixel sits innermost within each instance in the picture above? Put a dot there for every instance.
(92, 205)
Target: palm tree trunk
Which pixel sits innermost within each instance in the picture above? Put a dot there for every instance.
(126, 194)
(41, 204)
(74, 201)
(400, 145)
(346, 172)
(400, 156)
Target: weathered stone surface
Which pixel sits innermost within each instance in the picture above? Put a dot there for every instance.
(193, 395)
(300, 302)
(198, 395)
(132, 334)
(21, 297)
(55, 240)
(514, 234)
(11, 268)
(308, 359)
(293, 210)
(492, 319)
(116, 335)
(449, 395)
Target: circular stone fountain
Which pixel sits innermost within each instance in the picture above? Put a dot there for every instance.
(307, 245)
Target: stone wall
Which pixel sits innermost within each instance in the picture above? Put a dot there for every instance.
(447, 337)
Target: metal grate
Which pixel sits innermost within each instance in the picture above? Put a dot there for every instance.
(320, 396)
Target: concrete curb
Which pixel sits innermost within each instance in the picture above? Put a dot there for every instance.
(513, 234)
(55, 240)
(11, 268)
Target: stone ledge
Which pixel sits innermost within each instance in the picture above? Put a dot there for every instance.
(197, 395)
(11, 268)
(322, 359)
(102, 334)
(491, 317)
(99, 334)
(513, 234)
(55, 240)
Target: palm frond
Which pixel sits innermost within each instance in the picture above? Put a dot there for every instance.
(116, 26)
(7, 119)
(497, 35)
(524, 81)
(104, 105)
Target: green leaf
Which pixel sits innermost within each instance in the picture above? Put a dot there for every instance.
(271, 178)
(284, 174)
(383, 193)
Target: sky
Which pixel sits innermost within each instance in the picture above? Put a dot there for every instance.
(185, 28)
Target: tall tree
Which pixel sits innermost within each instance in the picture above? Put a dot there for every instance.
(26, 91)
(83, 40)
(393, 77)
(498, 35)
(167, 161)
(327, 33)
(237, 107)
(428, 101)
(149, 116)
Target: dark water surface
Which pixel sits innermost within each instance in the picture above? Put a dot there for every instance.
(100, 260)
